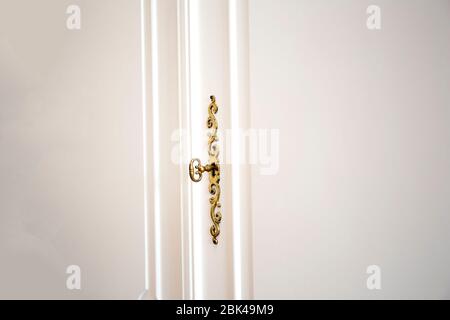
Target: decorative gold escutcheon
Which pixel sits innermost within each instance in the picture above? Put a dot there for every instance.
(196, 170)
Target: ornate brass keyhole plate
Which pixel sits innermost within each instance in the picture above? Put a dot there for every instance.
(196, 170)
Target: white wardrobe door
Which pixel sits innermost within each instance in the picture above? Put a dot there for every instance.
(360, 175)
(71, 149)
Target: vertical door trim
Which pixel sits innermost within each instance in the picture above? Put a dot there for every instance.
(184, 76)
(164, 221)
(240, 122)
(205, 271)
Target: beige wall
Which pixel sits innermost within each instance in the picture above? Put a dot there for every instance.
(364, 173)
(71, 168)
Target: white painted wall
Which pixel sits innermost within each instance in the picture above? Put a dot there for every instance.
(364, 172)
(71, 155)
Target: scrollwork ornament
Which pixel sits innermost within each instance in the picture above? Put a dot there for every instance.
(196, 170)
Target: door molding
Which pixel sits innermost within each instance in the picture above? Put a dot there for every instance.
(194, 49)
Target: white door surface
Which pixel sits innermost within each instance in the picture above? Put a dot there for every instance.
(364, 148)
(333, 135)
(71, 150)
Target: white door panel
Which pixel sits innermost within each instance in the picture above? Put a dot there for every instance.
(71, 136)
(349, 125)
(363, 152)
